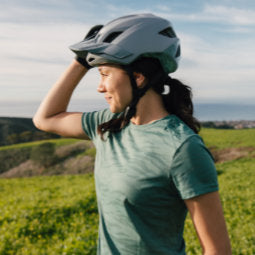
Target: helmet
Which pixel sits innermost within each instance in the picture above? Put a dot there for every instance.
(127, 38)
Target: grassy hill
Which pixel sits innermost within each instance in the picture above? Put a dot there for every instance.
(47, 157)
(71, 156)
(58, 214)
(10, 126)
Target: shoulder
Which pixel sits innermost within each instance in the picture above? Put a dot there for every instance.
(98, 117)
(91, 120)
(192, 168)
(180, 133)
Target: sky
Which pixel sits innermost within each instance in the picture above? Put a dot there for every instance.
(217, 41)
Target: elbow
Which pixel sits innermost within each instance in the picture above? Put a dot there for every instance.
(40, 123)
(36, 122)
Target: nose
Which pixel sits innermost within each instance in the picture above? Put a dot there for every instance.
(101, 88)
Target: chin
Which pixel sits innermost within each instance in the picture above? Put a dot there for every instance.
(116, 110)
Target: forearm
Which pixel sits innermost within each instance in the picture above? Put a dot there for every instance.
(59, 96)
(218, 253)
(207, 215)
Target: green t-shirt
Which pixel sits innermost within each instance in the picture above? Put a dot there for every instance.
(142, 175)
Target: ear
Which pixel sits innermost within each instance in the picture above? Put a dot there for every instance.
(140, 79)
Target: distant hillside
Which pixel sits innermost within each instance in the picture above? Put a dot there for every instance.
(20, 130)
(74, 156)
(49, 157)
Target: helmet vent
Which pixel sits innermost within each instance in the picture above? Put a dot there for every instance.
(169, 32)
(178, 52)
(93, 32)
(112, 36)
(91, 59)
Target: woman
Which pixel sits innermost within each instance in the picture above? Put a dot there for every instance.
(151, 166)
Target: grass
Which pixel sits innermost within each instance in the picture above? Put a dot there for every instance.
(48, 215)
(58, 143)
(236, 183)
(228, 138)
(58, 214)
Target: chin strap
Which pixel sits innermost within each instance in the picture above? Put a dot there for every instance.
(137, 93)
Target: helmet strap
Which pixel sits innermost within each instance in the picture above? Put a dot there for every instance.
(136, 94)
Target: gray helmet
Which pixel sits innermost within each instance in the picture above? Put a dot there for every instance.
(123, 40)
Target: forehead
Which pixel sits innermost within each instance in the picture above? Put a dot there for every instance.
(103, 68)
(109, 68)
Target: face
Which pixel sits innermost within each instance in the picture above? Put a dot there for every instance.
(115, 85)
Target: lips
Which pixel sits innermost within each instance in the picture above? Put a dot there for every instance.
(108, 98)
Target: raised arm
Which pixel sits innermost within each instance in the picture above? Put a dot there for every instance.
(207, 216)
(52, 115)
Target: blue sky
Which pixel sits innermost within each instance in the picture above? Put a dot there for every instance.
(217, 39)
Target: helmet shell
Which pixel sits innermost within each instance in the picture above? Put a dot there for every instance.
(127, 38)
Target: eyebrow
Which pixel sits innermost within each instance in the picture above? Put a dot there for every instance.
(100, 69)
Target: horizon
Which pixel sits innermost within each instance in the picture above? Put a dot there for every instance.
(204, 111)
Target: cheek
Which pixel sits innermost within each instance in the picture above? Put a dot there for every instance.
(127, 89)
(126, 95)
(120, 89)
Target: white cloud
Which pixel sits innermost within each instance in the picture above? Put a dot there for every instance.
(230, 15)
(236, 30)
(217, 72)
(163, 8)
(33, 55)
(216, 14)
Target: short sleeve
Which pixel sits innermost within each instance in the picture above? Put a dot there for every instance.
(91, 120)
(193, 171)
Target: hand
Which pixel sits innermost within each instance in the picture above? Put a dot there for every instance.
(83, 62)
(90, 35)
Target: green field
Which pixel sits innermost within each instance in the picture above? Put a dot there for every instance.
(58, 142)
(58, 214)
(48, 215)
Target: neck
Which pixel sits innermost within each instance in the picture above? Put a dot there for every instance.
(149, 109)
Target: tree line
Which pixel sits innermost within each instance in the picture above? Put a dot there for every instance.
(20, 130)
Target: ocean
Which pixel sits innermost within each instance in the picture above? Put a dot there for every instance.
(227, 112)
(202, 111)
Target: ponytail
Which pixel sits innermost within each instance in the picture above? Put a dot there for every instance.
(177, 101)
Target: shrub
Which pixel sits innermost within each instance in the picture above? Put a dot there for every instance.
(13, 157)
(44, 154)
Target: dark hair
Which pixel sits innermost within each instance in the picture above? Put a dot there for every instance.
(177, 101)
